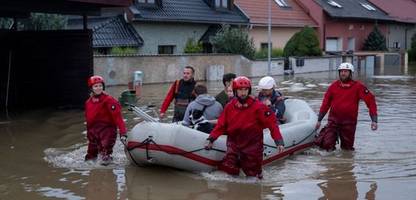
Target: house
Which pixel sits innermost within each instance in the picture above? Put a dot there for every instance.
(287, 18)
(166, 25)
(109, 31)
(403, 13)
(345, 24)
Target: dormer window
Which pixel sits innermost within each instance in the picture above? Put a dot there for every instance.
(221, 4)
(368, 6)
(334, 4)
(282, 3)
(146, 1)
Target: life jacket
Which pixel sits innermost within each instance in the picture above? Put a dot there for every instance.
(184, 92)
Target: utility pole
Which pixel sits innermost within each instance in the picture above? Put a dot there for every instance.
(269, 61)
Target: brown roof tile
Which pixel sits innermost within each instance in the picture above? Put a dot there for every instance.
(400, 10)
(257, 11)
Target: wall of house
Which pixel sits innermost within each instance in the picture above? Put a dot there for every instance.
(352, 29)
(397, 34)
(280, 35)
(118, 70)
(155, 34)
(314, 64)
(316, 12)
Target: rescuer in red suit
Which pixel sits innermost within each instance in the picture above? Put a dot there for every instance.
(103, 115)
(342, 99)
(243, 120)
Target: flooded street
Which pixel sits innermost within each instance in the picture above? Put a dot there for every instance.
(42, 154)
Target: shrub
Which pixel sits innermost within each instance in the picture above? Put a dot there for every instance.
(303, 43)
(192, 46)
(375, 41)
(123, 50)
(234, 40)
(276, 53)
(412, 50)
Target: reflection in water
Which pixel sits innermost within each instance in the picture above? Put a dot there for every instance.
(340, 179)
(164, 183)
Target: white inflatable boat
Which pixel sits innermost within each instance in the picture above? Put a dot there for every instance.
(174, 145)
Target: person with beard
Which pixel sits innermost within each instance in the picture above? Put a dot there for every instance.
(103, 116)
(342, 99)
(182, 91)
(224, 97)
(243, 120)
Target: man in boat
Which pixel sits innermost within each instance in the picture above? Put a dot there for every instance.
(272, 97)
(342, 98)
(202, 114)
(103, 116)
(182, 91)
(224, 97)
(243, 120)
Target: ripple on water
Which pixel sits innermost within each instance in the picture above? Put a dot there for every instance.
(73, 157)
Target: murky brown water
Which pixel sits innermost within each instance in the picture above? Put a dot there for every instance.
(42, 155)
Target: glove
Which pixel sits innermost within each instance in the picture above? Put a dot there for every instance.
(123, 139)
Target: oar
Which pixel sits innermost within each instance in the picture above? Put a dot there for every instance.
(142, 114)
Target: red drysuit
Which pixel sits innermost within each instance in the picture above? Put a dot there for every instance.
(103, 115)
(343, 100)
(244, 124)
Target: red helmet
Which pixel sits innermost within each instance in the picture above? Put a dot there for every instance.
(241, 82)
(95, 79)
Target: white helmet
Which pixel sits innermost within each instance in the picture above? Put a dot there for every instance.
(266, 83)
(347, 66)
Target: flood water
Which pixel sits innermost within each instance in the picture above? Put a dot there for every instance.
(42, 154)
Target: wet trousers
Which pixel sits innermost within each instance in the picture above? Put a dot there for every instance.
(101, 139)
(248, 157)
(327, 137)
(178, 113)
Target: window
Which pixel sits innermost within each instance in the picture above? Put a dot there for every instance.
(221, 3)
(396, 45)
(146, 1)
(265, 45)
(334, 4)
(351, 44)
(282, 3)
(368, 6)
(166, 49)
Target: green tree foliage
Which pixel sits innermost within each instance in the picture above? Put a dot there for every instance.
(303, 43)
(412, 50)
(375, 41)
(5, 23)
(276, 52)
(234, 40)
(37, 21)
(193, 46)
(123, 50)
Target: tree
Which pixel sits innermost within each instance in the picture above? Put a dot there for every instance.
(193, 47)
(303, 43)
(234, 40)
(37, 21)
(412, 50)
(375, 41)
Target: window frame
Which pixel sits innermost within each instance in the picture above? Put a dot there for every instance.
(162, 48)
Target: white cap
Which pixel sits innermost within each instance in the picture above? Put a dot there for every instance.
(347, 66)
(266, 83)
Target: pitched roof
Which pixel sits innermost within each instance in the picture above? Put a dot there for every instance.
(195, 11)
(292, 16)
(400, 10)
(110, 32)
(352, 9)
